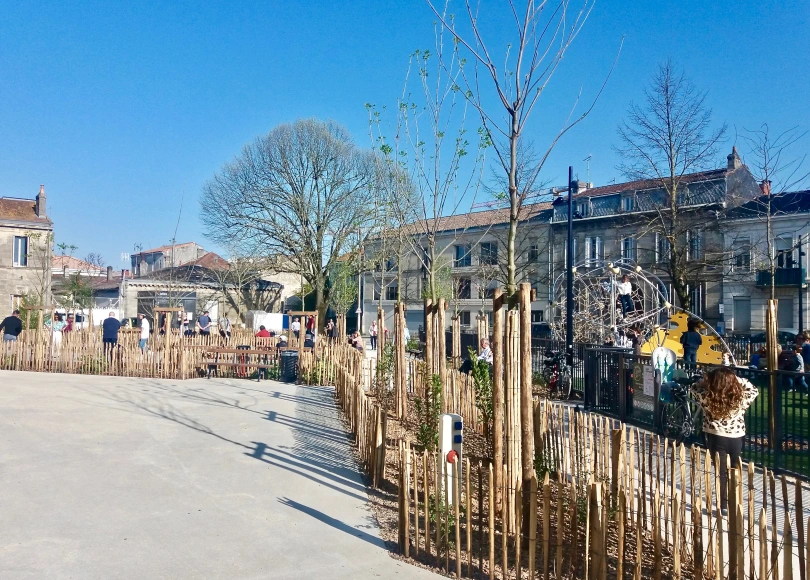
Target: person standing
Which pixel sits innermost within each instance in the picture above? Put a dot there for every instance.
(691, 341)
(372, 332)
(144, 323)
(109, 333)
(311, 325)
(625, 291)
(225, 328)
(724, 398)
(204, 324)
(56, 326)
(296, 327)
(330, 330)
(11, 326)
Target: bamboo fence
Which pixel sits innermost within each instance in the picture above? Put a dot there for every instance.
(607, 501)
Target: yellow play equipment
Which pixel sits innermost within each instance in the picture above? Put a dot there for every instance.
(710, 352)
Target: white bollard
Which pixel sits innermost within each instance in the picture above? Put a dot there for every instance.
(451, 438)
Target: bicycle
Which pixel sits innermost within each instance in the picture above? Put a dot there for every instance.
(681, 416)
(557, 375)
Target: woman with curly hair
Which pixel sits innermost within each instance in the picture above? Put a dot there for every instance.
(724, 398)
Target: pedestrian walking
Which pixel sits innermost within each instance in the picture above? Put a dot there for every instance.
(724, 398)
(109, 333)
(11, 326)
(372, 332)
(225, 328)
(56, 326)
(144, 337)
(296, 327)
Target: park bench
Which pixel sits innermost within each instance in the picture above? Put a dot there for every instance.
(240, 359)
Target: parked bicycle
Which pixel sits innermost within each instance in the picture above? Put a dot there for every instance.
(557, 375)
(681, 416)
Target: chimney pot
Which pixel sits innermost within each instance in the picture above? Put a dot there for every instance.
(39, 206)
(734, 161)
(765, 186)
(109, 272)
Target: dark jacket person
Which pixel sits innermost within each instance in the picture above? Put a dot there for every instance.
(11, 326)
(109, 329)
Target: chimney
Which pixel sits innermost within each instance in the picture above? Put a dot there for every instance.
(40, 202)
(109, 273)
(765, 186)
(734, 161)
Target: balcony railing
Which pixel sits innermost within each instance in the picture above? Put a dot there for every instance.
(783, 277)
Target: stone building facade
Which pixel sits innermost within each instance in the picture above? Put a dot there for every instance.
(26, 245)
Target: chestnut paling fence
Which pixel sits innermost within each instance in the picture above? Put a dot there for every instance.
(607, 501)
(166, 356)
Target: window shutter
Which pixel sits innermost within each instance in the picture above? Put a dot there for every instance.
(599, 248)
(588, 244)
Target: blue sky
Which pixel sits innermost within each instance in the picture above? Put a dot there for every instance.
(121, 109)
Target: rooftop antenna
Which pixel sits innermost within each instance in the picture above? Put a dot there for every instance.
(587, 160)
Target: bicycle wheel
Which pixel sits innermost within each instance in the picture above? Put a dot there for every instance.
(675, 422)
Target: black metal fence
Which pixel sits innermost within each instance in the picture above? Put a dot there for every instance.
(622, 385)
(542, 351)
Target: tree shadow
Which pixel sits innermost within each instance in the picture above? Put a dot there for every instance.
(335, 523)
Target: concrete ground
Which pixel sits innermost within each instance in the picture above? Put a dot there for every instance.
(147, 479)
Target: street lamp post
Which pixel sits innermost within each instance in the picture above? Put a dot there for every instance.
(569, 276)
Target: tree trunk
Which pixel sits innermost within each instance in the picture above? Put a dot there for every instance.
(497, 394)
(526, 400)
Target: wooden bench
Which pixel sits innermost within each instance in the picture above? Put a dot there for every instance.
(214, 365)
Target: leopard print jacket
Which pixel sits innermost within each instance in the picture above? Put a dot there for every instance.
(733, 426)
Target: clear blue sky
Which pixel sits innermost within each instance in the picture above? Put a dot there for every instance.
(119, 108)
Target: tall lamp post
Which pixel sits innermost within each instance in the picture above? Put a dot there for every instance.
(569, 277)
(802, 287)
(359, 310)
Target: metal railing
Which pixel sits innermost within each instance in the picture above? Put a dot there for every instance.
(622, 385)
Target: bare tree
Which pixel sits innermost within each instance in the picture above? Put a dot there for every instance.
(544, 32)
(299, 192)
(665, 139)
(772, 162)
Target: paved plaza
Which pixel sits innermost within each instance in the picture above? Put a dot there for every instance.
(125, 478)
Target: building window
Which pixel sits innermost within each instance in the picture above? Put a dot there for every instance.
(784, 252)
(661, 248)
(628, 248)
(489, 253)
(391, 264)
(463, 256)
(593, 250)
(377, 290)
(392, 292)
(20, 251)
(534, 254)
(463, 288)
(582, 208)
(464, 318)
(628, 203)
(16, 302)
(741, 256)
(537, 316)
(694, 245)
(742, 314)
